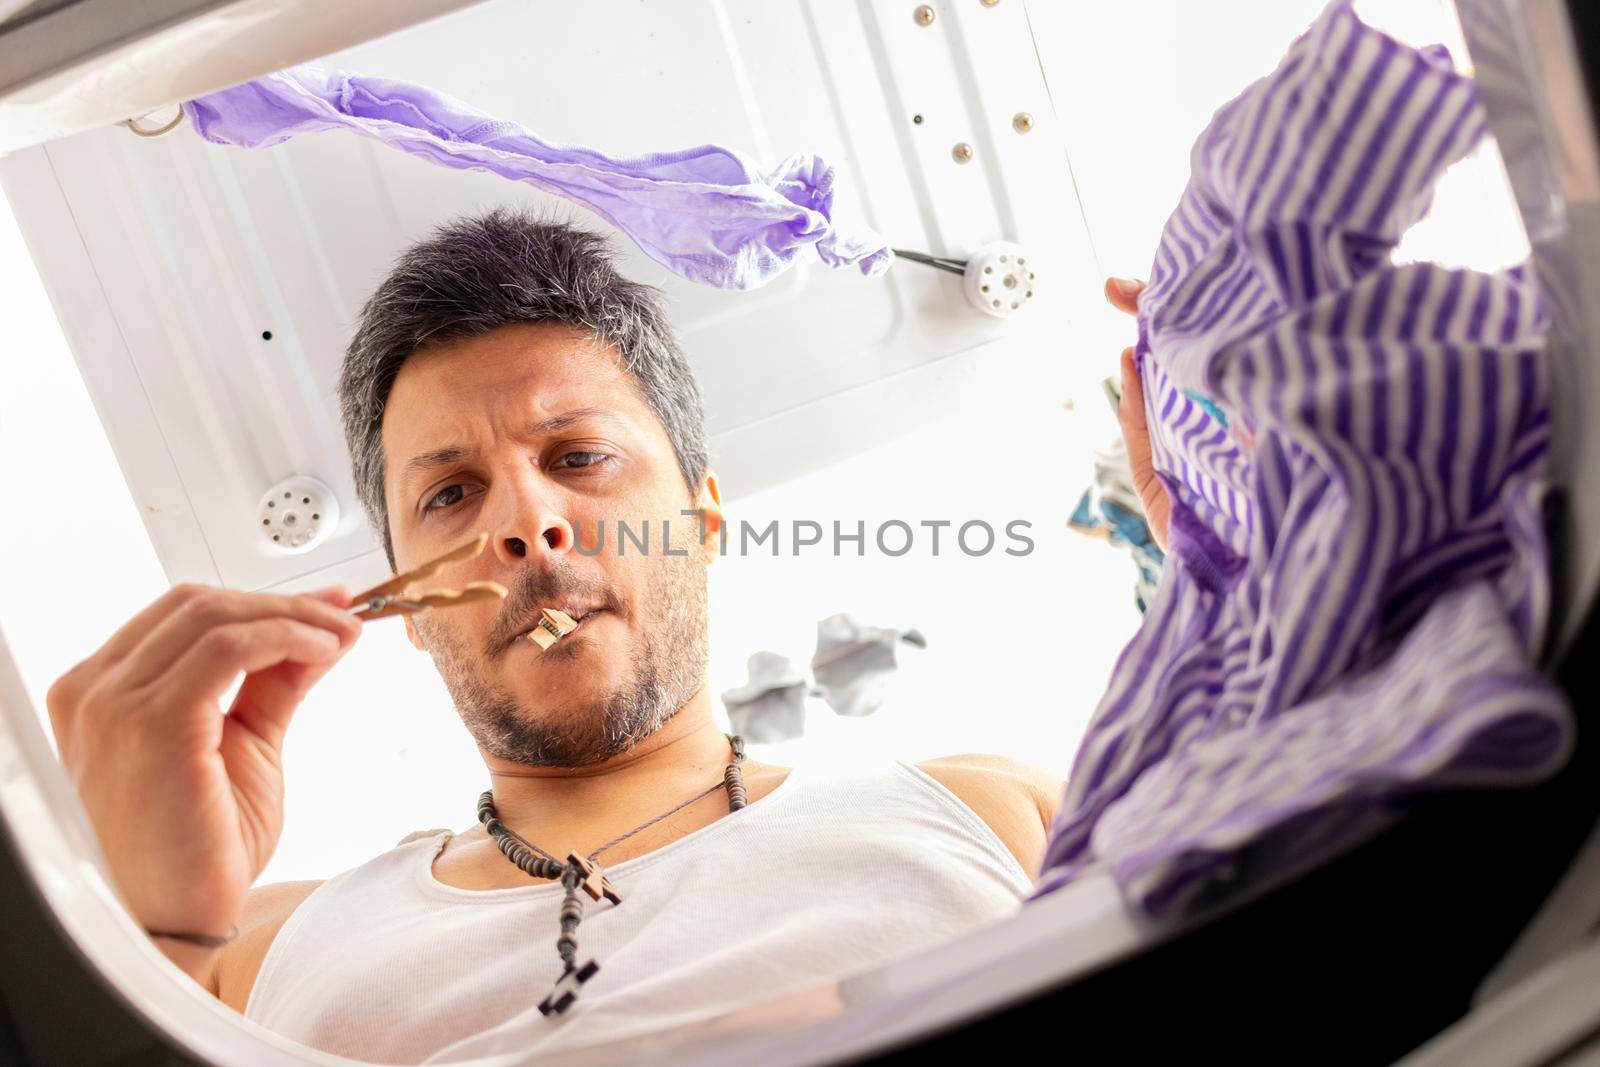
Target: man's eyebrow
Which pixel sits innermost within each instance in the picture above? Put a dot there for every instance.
(557, 423)
(424, 462)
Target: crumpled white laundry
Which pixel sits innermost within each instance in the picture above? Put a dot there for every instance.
(854, 662)
(771, 706)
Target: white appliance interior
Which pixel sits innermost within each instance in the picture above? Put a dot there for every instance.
(213, 288)
(167, 259)
(72, 65)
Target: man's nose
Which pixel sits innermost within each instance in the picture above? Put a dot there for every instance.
(530, 522)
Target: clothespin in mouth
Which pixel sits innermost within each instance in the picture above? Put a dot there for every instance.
(388, 599)
(555, 625)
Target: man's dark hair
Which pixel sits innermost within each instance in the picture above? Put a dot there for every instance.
(474, 275)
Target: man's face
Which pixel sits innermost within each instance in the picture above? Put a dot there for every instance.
(537, 435)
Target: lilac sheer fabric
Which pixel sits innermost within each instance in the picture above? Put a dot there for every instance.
(1357, 581)
(704, 213)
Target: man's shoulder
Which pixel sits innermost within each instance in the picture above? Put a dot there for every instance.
(266, 909)
(1015, 798)
(987, 772)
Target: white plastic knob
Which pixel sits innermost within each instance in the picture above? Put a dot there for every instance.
(297, 515)
(1000, 279)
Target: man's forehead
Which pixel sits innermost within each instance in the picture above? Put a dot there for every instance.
(534, 356)
(532, 378)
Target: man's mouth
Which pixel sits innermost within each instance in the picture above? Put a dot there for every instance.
(577, 612)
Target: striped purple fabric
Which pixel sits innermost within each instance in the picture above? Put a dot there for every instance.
(1358, 579)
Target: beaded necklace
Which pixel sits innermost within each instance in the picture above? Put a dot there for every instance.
(580, 872)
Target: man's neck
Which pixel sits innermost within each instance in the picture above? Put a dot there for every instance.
(688, 753)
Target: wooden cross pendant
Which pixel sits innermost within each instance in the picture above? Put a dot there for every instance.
(595, 882)
(567, 988)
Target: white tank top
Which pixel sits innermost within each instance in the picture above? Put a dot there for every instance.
(837, 870)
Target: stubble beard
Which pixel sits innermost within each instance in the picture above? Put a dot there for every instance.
(667, 667)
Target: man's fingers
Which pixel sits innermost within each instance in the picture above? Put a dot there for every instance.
(142, 625)
(136, 629)
(1130, 409)
(267, 700)
(208, 668)
(1141, 461)
(1157, 511)
(1123, 293)
(217, 608)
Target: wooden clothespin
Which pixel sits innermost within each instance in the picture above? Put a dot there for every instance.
(595, 882)
(388, 599)
(555, 625)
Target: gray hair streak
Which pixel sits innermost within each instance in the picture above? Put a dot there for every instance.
(477, 274)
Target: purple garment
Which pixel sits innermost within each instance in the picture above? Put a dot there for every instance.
(705, 213)
(1358, 577)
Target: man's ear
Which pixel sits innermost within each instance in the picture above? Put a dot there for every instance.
(411, 632)
(709, 503)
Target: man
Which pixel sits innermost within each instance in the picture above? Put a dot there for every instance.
(504, 378)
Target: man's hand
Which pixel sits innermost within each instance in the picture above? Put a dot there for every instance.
(1124, 295)
(187, 802)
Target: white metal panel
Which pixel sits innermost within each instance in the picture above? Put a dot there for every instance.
(196, 251)
(73, 65)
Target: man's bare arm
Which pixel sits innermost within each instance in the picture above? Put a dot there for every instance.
(1015, 798)
(266, 909)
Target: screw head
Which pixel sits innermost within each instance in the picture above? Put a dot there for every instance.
(923, 15)
(961, 153)
(1022, 122)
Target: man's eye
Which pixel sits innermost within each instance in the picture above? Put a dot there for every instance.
(436, 503)
(594, 459)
